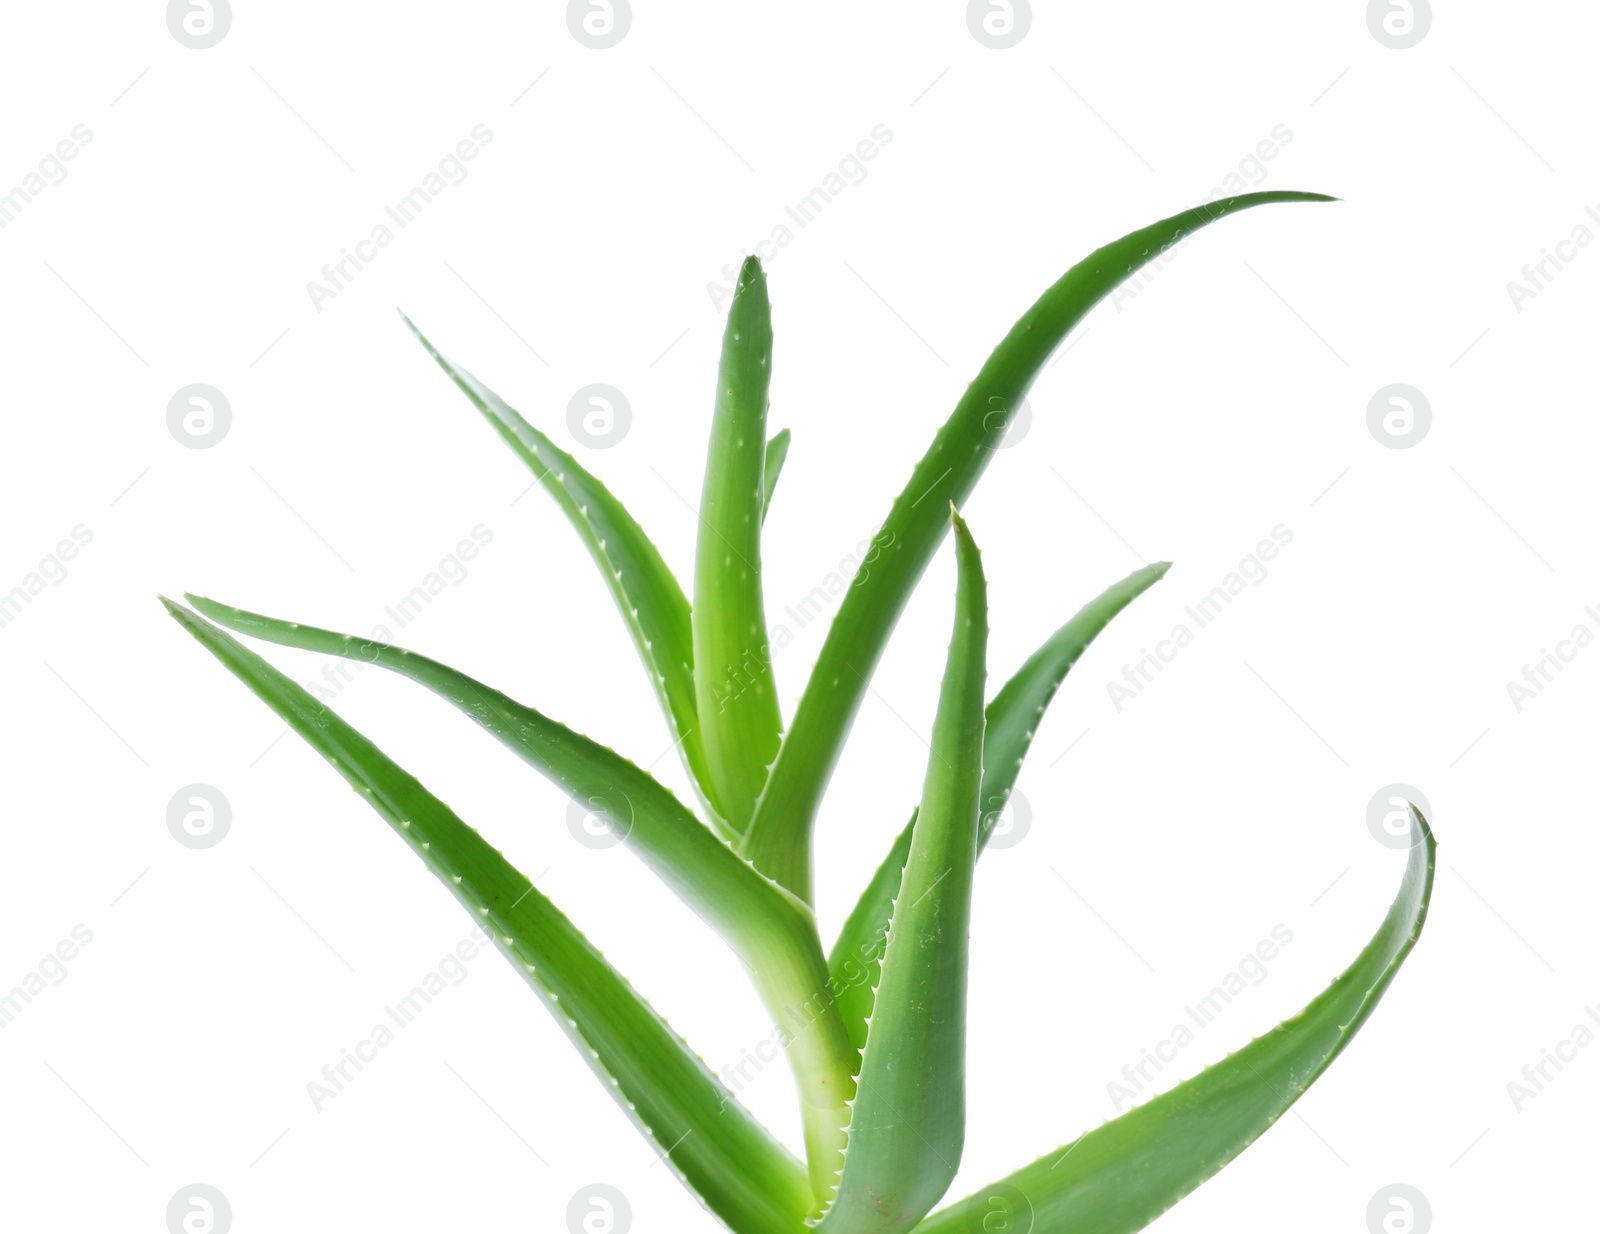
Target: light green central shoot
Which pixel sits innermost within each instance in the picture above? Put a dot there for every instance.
(737, 700)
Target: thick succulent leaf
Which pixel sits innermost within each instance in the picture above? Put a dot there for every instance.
(1012, 717)
(699, 868)
(723, 1155)
(772, 932)
(908, 1124)
(734, 693)
(777, 452)
(1126, 1173)
(646, 592)
(780, 836)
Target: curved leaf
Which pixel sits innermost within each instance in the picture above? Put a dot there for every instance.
(725, 1157)
(779, 841)
(1127, 1172)
(908, 1125)
(1016, 710)
(735, 696)
(646, 592)
(773, 933)
(1011, 719)
(700, 869)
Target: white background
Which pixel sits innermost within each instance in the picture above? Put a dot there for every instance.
(1185, 424)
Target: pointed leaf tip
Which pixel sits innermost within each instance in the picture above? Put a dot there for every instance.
(777, 453)
(647, 595)
(779, 835)
(752, 281)
(1011, 721)
(1124, 1174)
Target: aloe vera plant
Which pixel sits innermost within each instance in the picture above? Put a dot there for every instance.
(878, 1046)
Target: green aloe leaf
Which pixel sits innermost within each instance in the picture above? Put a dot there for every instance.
(646, 592)
(1011, 719)
(728, 1159)
(779, 840)
(908, 1125)
(771, 931)
(735, 697)
(777, 452)
(1126, 1173)
(699, 868)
